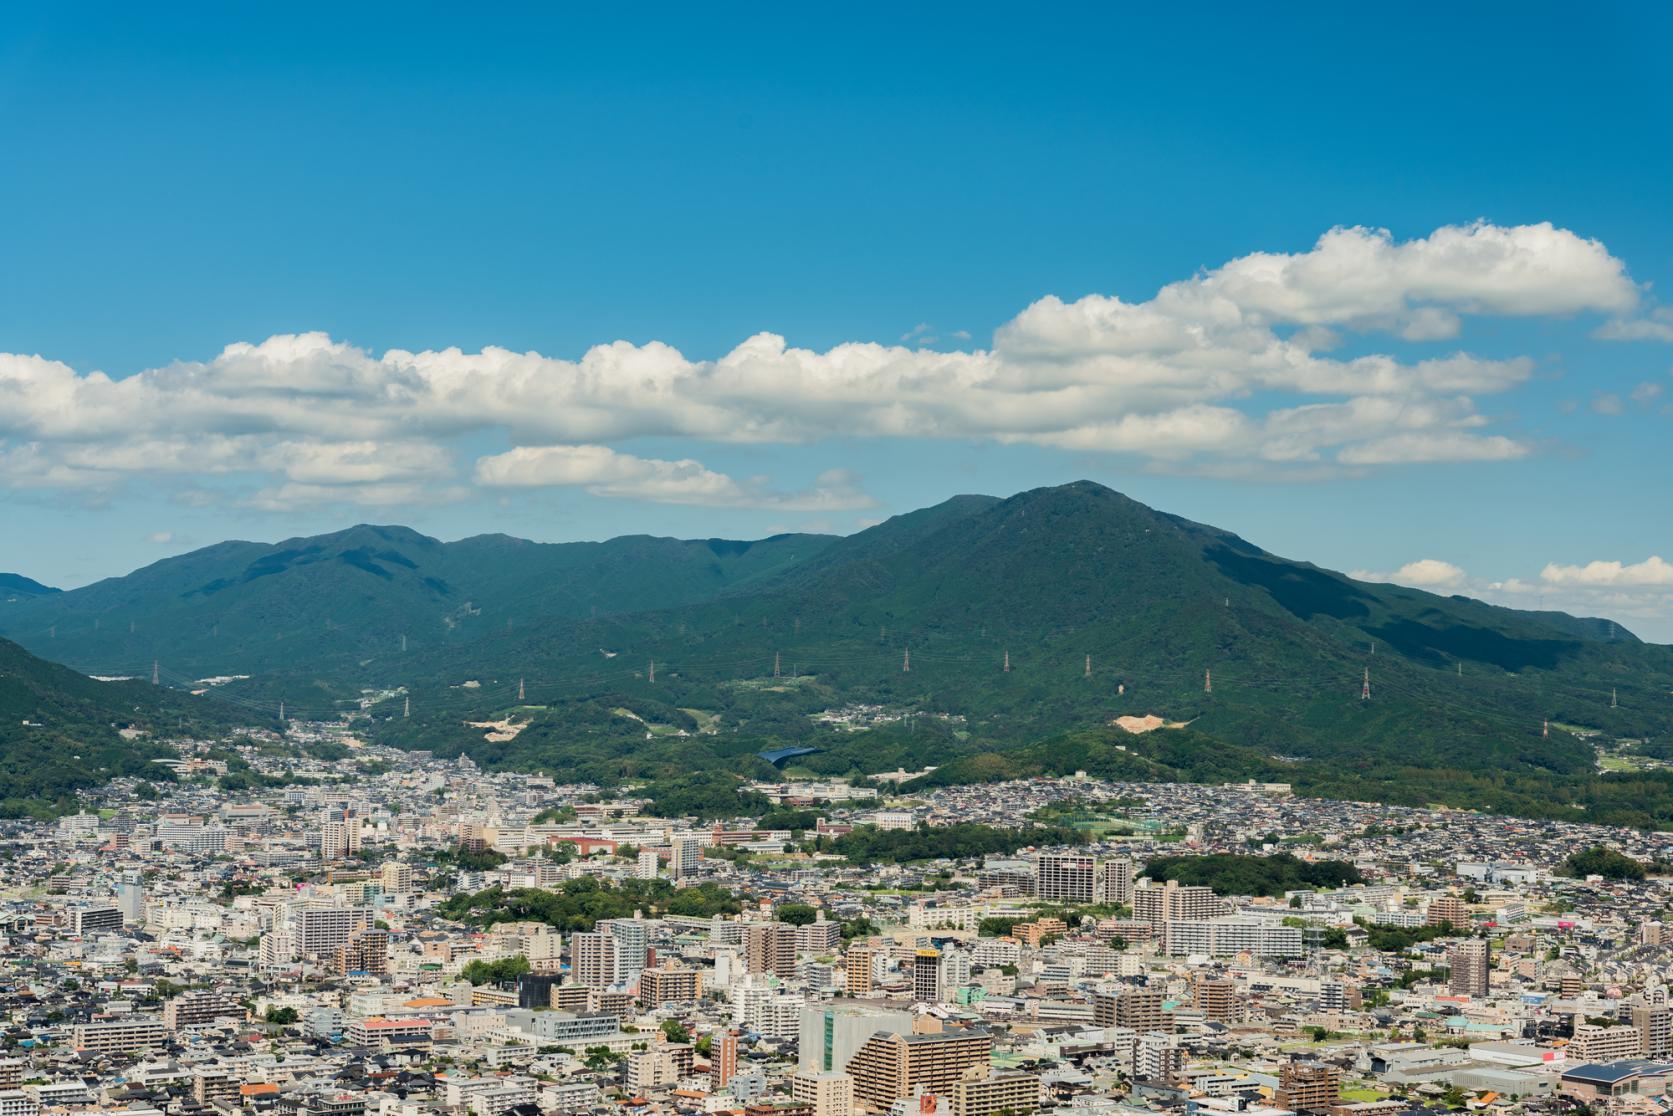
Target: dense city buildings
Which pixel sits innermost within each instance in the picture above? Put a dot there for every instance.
(672, 965)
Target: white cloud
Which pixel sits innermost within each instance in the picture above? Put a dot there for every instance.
(1652, 572)
(605, 472)
(1655, 325)
(1608, 403)
(161, 538)
(1227, 369)
(1425, 573)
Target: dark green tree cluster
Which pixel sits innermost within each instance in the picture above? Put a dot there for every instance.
(579, 904)
(867, 844)
(1237, 874)
(503, 971)
(1600, 860)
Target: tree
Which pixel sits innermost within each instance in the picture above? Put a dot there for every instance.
(281, 1015)
(796, 914)
(675, 1031)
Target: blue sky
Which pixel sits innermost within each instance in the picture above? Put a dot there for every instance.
(683, 180)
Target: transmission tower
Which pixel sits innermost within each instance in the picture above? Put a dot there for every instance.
(1088, 673)
(1365, 689)
(155, 672)
(1007, 667)
(906, 662)
(519, 691)
(775, 664)
(1208, 681)
(653, 670)
(406, 707)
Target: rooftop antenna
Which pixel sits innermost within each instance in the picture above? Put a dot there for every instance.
(519, 690)
(1365, 690)
(1088, 673)
(1208, 681)
(906, 662)
(775, 664)
(1007, 667)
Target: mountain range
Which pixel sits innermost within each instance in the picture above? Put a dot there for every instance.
(999, 637)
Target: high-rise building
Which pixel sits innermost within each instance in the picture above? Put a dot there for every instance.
(770, 947)
(322, 931)
(367, 951)
(1309, 1086)
(1170, 901)
(190, 1009)
(85, 921)
(819, 936)
(130, 899)
(1470, 965)
(1115, 881)
(668, 984)
(396, 877)
(893, 1066)
(1138, 1009)
(339, 834)
(857, 966)
(1215, 997)
(926, 976)
(592, 959)
(828, 1094)
(1158, 1057)
(723, 1059)
(829, 1035)
(685, 855)
(648, 866)
(632, 947)
(1449, 909)
(1655, 1029)
(1065, 877)
(1015, 1093)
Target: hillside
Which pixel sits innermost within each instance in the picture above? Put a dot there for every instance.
(59, 730)
(1100, 607)
(362, 594)
(16, 587)
(1048, 579)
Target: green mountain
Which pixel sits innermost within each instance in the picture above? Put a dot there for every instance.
(16, 587)
(335, 600)
(1103, 608)
(999, 637)
(60, 731)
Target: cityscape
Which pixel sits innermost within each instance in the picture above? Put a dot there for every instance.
(836, 560)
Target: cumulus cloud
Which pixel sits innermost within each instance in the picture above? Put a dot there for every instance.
(1228, 369)
(1654, 325)
(605, 472)
(1425, 573)
(1652, 572)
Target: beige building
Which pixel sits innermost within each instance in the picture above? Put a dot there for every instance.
(830, 1094)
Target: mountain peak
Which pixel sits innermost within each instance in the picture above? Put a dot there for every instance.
(14, 586)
